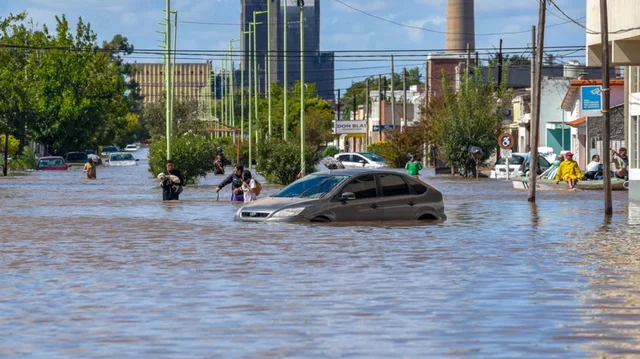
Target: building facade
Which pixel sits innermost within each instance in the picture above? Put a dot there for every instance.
(624, 38)
(319, 65)
(190, 81)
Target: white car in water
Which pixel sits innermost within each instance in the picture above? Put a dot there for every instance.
(360, 160)
(131, 148)
(121, 159)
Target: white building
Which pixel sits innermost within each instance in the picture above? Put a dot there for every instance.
(624, 38)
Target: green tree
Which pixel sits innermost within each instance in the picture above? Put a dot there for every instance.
(185, 119)
(193, 155)
(14, 146)
(318, 115)
(471, 117)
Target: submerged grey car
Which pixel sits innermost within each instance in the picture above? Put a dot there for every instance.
(349, 195)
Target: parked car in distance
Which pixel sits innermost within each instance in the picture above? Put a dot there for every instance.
(131, 148)
(121, 159)
(360, 160)
(107, 150)
(76, 158)
(51, 163)
(515, 162)
(349, 195)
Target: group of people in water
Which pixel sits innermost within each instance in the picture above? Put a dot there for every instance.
(244, 188)
(565, 169)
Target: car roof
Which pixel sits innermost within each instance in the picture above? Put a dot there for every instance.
(357, 171)
(51, 158)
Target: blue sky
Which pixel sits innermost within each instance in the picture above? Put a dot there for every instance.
(341, 28)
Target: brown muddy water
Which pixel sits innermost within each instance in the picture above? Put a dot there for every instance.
(104, 269)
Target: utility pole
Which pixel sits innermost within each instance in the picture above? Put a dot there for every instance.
(380, 107)
(167, 79)
(366, 114)
(268, 77)
(250, 118)
(255, 72)
(500, 65)
(6, 149)
(426, 106)
(215, 94)
(302, 109)
(335, 124)
(393, 96)
(286, 78)
(533, 159)
(606, 101)
(532, 94)
(404, 89)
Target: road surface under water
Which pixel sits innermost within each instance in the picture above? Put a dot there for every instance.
(105, 269)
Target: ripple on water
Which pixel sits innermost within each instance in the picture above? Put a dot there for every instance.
(101, 268)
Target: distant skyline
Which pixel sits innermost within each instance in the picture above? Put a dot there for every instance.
(342, 28)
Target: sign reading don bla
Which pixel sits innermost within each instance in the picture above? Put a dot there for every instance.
(346, 127)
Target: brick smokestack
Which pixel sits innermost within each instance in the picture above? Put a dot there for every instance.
(460, 26)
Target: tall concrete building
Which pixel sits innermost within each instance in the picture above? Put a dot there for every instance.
(460, 26)
(319, 66)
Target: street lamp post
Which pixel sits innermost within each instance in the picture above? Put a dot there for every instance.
(233, 79)
(247, 57)
(268, 81)
(255, 62)
(286, 84)
(167, 79)
(302, 109)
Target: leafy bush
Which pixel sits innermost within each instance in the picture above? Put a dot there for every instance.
(193, 155)
(26, 161)
(279, 161)
(400, 145)
(330, 151)
(377, 147)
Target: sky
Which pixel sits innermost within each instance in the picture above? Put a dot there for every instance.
(342, 28)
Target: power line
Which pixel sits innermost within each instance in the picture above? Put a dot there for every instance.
(438, 31)
(589, 31)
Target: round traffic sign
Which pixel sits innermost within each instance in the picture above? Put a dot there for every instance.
(505, 141)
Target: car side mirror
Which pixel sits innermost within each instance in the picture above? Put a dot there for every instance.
(137, 159)
(347, 196)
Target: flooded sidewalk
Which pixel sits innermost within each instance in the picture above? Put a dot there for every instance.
(106, 269)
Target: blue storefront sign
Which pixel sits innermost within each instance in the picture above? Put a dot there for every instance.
(591, 101)
(384, 128)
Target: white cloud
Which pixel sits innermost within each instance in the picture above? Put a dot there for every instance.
(417, 35)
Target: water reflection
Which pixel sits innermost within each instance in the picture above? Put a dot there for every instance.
(97, 269)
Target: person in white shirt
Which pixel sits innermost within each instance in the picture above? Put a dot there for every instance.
(594, 168)
(248, 187)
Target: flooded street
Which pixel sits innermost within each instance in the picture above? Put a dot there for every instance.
(105, 269)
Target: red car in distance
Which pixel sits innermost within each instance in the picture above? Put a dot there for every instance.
(52, 163)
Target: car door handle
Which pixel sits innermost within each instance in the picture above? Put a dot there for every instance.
(411, 203)
(374, 206)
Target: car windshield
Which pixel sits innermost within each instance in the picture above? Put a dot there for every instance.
(372, 156)
(122, 157)
(109, 149)
(51, 162)
(314, 186)
(513, 160)
(75, 156)
(131, 146)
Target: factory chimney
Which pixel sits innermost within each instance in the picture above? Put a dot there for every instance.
(460, 26)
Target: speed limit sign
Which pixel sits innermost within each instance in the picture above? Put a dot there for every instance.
(505, 141)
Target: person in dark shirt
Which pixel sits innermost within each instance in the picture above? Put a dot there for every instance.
(171, 189)
(235, 179)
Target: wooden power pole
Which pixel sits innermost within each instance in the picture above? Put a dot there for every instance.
(606, 97)
(535, 102)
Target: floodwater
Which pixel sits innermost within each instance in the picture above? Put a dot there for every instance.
(104, 269)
